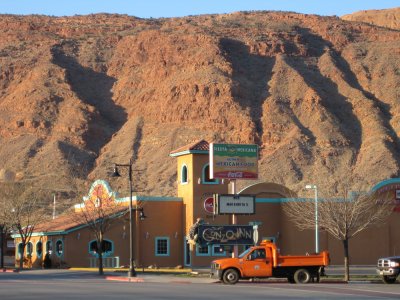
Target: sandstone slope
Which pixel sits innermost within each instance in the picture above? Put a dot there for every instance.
(319, 95)
(389, 18)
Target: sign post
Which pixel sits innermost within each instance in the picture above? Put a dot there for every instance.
(233, 161)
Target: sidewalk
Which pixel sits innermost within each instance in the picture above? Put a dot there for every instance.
(162, 278)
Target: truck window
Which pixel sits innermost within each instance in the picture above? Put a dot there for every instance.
(258, 254)
(244, 253)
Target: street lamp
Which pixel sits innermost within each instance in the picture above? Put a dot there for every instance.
(314, 187)
(131, 272)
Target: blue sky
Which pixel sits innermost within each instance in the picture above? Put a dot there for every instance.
(177, 8)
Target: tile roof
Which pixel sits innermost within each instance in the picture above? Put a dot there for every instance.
(200, 145)
(63, 223)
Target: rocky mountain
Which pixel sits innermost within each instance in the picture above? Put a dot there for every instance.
(319, 95)
(389, 18)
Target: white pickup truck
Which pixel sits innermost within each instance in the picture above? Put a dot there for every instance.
(389, 268)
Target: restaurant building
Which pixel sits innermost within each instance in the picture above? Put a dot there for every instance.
(160, 240)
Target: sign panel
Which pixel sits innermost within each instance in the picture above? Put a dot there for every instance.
(397, 195)
(225, 234)
(209, 205)
(233, 161)
(236, 204)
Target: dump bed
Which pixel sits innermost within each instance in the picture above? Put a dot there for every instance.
(321, 259)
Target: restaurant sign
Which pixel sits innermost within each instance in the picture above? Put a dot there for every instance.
(233, 161)
(225, 234)
(236, 204)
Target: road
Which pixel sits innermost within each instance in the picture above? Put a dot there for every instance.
(61, 284)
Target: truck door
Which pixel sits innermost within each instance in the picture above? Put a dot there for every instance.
(258, 263)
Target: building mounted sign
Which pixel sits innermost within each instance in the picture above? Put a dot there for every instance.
(236, 204)
(209, 205)
(225, 235)
(233, 161)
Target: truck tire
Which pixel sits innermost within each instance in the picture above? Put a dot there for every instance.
(302, 276)
(389, 279)
(230, 276)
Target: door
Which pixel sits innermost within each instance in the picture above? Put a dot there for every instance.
(257, 264)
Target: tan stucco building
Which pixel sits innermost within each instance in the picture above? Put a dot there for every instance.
(160, 239)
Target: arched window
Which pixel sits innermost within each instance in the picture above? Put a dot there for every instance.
(49, 247)
(39, 249)
(29, 249)
(205, 177)
(184, 174)
(59, 247)
(108, 247)
(20, 250)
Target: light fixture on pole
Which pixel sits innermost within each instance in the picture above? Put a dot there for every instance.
(131, 272)
(314, 187)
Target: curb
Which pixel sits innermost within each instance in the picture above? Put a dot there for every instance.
(125, 279)
(9, 270)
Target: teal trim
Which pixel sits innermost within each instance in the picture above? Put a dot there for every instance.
(161, 238)
(150, 199)
(385, 182)
(49, 249)
(19, 250)
(184, 174)
(37, 253)
(204, 174)
(57, 248)
(104, 183)
(29, 248)
(213, 253)
(105, 254)
(189, 152)
(198, 253)
(282, 200)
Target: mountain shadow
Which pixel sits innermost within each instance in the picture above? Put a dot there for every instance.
(251, 74)
(93, 88)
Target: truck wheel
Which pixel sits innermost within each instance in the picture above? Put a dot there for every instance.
(231, 276)
(302, 276)
(389, 279)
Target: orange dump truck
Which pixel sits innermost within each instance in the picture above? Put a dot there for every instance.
(265, 261)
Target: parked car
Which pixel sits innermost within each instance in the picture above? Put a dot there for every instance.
(389, 268)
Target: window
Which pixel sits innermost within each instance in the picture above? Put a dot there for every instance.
(49, 247)
(20, 250)
(59, 247)
(39, 249)
(29, 249)
(202, 250)
(162, 246)
(184, 174)
(205, 177)
(108, 247)
(218, 250)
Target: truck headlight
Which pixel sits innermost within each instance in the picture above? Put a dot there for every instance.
(216, 266)
(394, 264)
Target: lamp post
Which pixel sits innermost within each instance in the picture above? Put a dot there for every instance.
(131, 272)
(314, 187)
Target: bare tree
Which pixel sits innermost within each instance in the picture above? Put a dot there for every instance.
(99, 210)
(22, 209)
(342, 218)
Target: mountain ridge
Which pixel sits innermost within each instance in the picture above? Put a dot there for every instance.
(319, 95)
